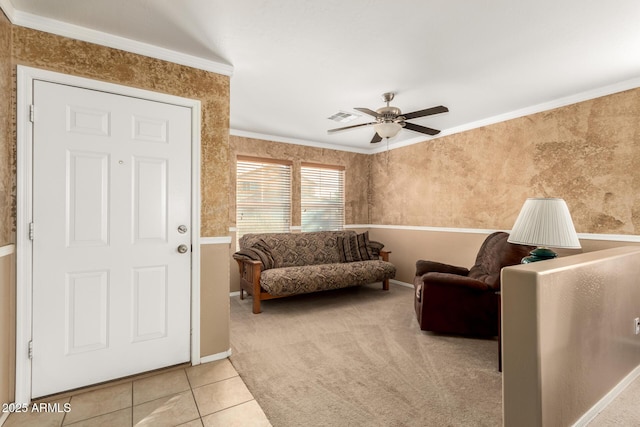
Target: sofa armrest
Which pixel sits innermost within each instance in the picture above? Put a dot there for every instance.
(445, 279)
(250, 271)
(423, 267)
(384, 255)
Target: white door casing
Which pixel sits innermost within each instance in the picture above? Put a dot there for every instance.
(110, 292)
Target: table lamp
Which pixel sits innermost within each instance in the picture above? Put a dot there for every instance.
(544, 222)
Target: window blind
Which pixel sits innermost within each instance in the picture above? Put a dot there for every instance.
(263, 197)
(322, 197)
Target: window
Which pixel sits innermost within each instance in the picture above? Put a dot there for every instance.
(322, 197)
(263, 196)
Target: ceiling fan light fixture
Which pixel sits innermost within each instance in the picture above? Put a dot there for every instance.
(388, 129)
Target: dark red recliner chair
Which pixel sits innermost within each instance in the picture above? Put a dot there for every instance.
(457, 300)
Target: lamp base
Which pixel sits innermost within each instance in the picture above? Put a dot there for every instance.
(539, 254)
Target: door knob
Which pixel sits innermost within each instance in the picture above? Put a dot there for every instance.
(183, 249)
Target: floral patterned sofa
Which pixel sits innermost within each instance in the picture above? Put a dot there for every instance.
(274, 265)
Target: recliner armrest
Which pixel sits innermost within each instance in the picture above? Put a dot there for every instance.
(445, 279)
(423, 267)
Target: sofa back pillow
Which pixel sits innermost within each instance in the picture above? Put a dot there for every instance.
(299, 249)
(355, 248)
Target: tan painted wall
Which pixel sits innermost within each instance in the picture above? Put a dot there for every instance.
(455, 248)
(28, 47)
(568, 334)
(214, 300)
(587, 153)
(7, 326)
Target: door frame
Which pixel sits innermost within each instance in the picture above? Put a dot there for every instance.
(24, 207)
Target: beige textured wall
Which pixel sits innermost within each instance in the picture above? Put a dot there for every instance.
(41, 50)
(7, 145)
(7, 217)
(51, 52)
(587, 153)
(568, 334)
(356, 173)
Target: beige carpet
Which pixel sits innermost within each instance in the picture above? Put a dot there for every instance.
(357, 357)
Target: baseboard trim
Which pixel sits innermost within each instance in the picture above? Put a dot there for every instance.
(393, 282)
(399, 283)
(3, 418)
(217, 356)
(592, 413)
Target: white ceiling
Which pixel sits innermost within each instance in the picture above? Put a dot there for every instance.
(296, 62)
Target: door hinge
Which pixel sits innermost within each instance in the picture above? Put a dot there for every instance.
(31, 232)
(32, 113)
(30, 349)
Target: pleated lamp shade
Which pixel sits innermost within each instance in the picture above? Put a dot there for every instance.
(545, 222)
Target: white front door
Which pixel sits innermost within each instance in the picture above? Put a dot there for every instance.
(111, 207)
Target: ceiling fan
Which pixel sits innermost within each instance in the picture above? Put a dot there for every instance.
(389, 120)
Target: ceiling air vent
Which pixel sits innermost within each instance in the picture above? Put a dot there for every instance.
(343, 117)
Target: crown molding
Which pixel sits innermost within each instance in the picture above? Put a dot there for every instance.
(538, 108)
(276, 138)
(77, 32)
(9, 10)
(534, 109)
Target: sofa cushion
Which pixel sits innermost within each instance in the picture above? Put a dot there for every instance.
(312, 278)
(355, 248)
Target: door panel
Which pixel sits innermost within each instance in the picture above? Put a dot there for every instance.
(111, 185)
(149, 303)
(150, 193)
(87, 298)
(87, 198)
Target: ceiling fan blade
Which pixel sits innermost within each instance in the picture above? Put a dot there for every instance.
(421, 129)
(376, 138)
(350, 127)
(368, 111)
(429, 111)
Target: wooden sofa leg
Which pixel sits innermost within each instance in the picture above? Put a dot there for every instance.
(256, 304)
(241, 293)
(385, 285)
(256, 289)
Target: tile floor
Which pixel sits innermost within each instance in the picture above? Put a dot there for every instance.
(207, 395)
